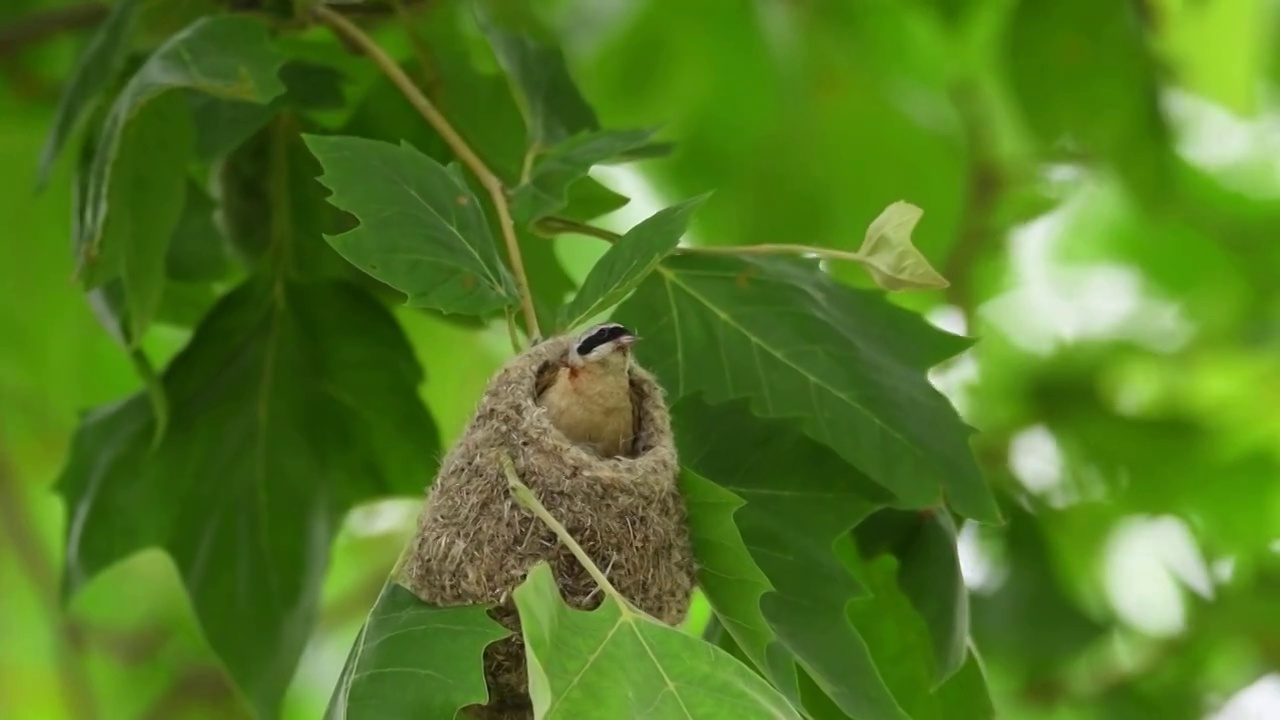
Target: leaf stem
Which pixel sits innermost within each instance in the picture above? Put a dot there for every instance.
(526, 498)
(350, 32)
(554, 225)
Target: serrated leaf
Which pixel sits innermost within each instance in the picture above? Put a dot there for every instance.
(929, 575)
(414, 660)
(889, 255)
(846, 362)
(98, 63)
(422, 230)
(277, 427)
(614, 662)
(629, 261)
(799, 498)
(144, 145)
(545, 189)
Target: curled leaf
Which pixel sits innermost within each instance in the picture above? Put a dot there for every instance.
(889, 255)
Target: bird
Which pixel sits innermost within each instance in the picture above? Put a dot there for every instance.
(587, 393)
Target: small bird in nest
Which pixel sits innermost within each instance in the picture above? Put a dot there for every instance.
(588, 393)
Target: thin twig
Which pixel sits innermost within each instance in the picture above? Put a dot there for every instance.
(775, 249)
(562, 226)
(348, 30)
(555, 225)
(40, 26)
(525, 497)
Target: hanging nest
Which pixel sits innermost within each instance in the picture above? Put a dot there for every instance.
(475, 543)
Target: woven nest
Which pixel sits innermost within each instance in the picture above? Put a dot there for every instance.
(475, 543)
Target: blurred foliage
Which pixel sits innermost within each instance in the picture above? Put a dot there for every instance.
(1099, 188)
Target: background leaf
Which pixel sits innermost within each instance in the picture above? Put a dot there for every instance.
(277, 429)
(122, 235)
(101, 59)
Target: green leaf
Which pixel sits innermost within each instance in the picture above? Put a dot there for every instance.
(629, 261)
(102, 57)
(271, 199)
(900, 643)
(587, 200)
(615, 662)
(197, 251)
(223, 124)
(414, 660)
(779, 588)
(890, 256)
(800, 345)
(928, 574)
(146, 196)
(965, 695)
(277, 427)
(545, 190)
(144, 145)
(422, 230)
(1030, 622)
(553, 108)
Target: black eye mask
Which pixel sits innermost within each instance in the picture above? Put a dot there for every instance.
(608, 333)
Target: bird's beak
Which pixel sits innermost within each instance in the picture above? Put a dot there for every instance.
(628, 340)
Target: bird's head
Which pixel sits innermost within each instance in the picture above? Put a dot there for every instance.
(608, 342)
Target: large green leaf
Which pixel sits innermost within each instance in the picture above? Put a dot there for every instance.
(414, 660)
(779, 589)
(422, 230)
(136, 181)
(629, 261)
(545, 188)
(615, 662)
(98, 63)
(800, 345)
(291, 403)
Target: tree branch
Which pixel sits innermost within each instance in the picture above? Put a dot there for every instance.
(348, 31)
(40, 26)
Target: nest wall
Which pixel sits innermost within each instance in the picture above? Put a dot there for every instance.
(475, 543)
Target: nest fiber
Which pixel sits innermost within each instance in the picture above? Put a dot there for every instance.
(475, 543)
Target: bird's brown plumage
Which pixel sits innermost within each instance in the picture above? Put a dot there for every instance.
(592, 404)
(588, 393)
